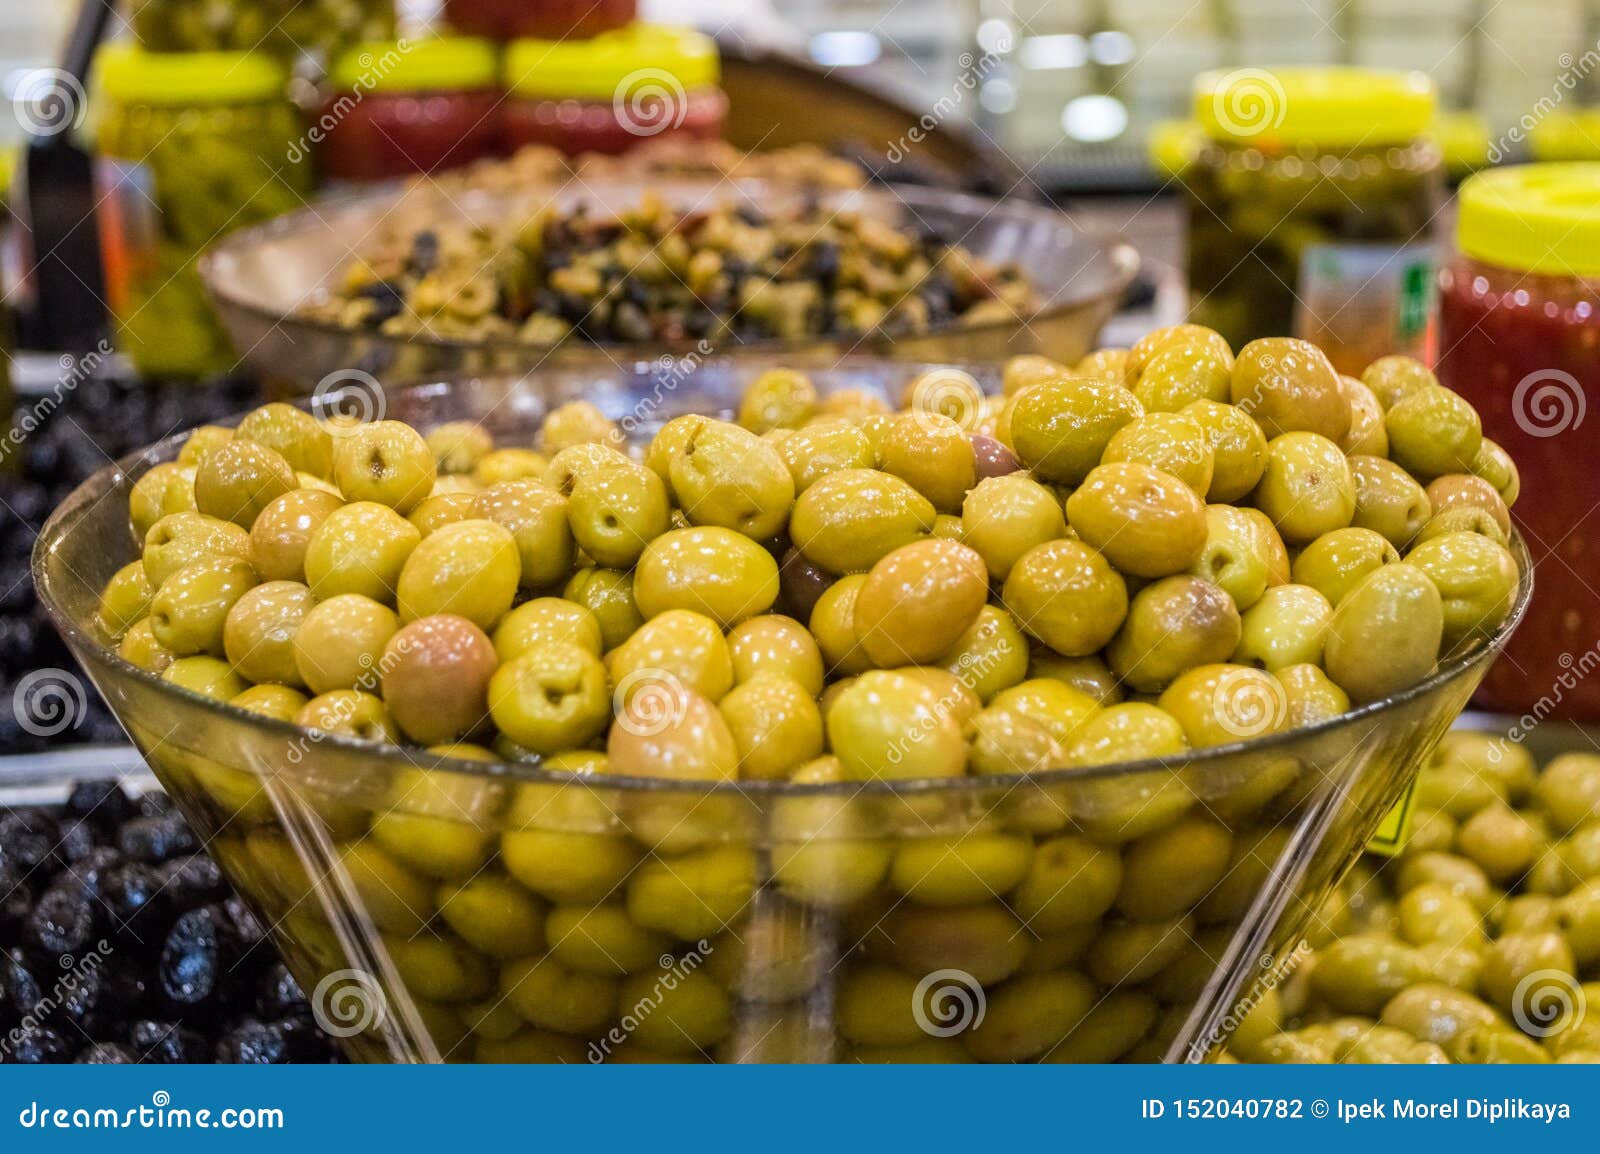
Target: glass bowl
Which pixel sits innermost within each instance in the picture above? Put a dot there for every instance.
(439, 909)
(257, 279)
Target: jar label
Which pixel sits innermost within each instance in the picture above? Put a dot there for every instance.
(1390, 837)
(1360, 302)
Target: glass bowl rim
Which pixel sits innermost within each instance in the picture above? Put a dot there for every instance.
(1123, 257)
(81, 640)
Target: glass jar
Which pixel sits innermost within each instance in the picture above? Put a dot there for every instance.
(1309, 208)
(400, 107)
(190, 147)
(1519, 337)
(289, 27)
(614, 91)
(539, 19)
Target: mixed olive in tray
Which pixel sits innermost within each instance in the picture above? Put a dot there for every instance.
(1151, 552)
(715, 274)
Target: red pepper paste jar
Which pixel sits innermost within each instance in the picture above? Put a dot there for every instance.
(1519, 337)
(613, 92)
(402, 107)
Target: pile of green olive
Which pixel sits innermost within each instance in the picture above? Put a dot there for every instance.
(1479, 942)
(1154, 551)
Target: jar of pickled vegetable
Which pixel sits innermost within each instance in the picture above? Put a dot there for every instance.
(190, 147)
(539, 19)
(287, 27)
(614, 91)
(1309, 208)
(400, 107)
(1519, 337)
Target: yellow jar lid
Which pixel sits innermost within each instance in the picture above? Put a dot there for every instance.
(1539, 218)
(1319, 107)
(422, 65)
(1173, 144)
(596, 69)
(1567, 136)
(126, 74)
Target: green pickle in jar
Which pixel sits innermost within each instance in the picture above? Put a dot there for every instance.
(190, 147)
(1310, 203)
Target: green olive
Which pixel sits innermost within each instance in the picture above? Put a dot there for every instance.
(189, 612)
(555, 696)
(678, 644)
(817, 450)
(1172, 625)
(470, 569)
(849, 519)
(775, 723)
(538, 520)
(776, 644)
(608, 594)
(1385, 633)
(1168, 441)
(238, 479)
(888, 725)
(1389, 500)
(932, 454)
(1393, 378)
(1146, 522)
(1288, 626)
(728, 476)
(616, 513)
(1288, 385)
(1067, 595)
(179, 538)
(1307, 489)
(711, 570)
(339, 642)
(281, 533)
(1475, 576)
(917, 601)
(547, 619)
(259, 633)
(292, 432)
(1003, 517)
(1238, 448)
(1060, 427)
(387, 462)
(1432, 432)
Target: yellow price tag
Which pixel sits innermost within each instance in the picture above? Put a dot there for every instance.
(1390, 836)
